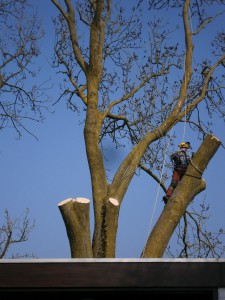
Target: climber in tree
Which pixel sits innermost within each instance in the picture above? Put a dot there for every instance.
(181, 160)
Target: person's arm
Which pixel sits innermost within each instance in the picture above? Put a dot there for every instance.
(174, 155)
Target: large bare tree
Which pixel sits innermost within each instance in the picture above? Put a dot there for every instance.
(20, 102)
(135, 85)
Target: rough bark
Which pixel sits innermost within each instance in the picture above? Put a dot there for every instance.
(75, 213)
(190, 185)
(111, 222)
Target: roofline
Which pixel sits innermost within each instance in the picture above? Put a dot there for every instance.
(113, 260)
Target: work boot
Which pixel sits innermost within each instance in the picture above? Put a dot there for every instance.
(165, 199)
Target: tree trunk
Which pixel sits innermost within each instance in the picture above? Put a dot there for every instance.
(190, 185)
(76, 216)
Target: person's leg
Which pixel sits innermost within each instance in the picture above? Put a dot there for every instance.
(174, 182)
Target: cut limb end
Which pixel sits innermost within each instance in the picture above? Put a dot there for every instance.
(215, 138)
(82, 200)
(79, 199)
(65, 201)
(114, 201)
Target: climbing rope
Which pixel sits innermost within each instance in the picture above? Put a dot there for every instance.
(185, 119)
(185, 106)
(164, 160)
(185, 102)
(183, 137)
(157, 193)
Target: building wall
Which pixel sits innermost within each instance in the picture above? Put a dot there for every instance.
(105, 278)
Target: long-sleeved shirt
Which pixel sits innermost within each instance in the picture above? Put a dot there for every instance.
(181, 159)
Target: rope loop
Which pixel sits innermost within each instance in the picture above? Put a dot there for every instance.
(195, 167)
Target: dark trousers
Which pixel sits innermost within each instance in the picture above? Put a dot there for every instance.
(176, 177)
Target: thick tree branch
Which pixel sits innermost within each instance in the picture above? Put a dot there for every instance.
(70, 19)
(188, 59)
(190, 185)
(75, 213)
(111, 220)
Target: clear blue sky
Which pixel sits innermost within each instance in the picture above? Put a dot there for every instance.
(40, 174)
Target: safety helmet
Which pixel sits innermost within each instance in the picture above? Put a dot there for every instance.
(185, 145)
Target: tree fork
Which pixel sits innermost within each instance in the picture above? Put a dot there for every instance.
(190, 185)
